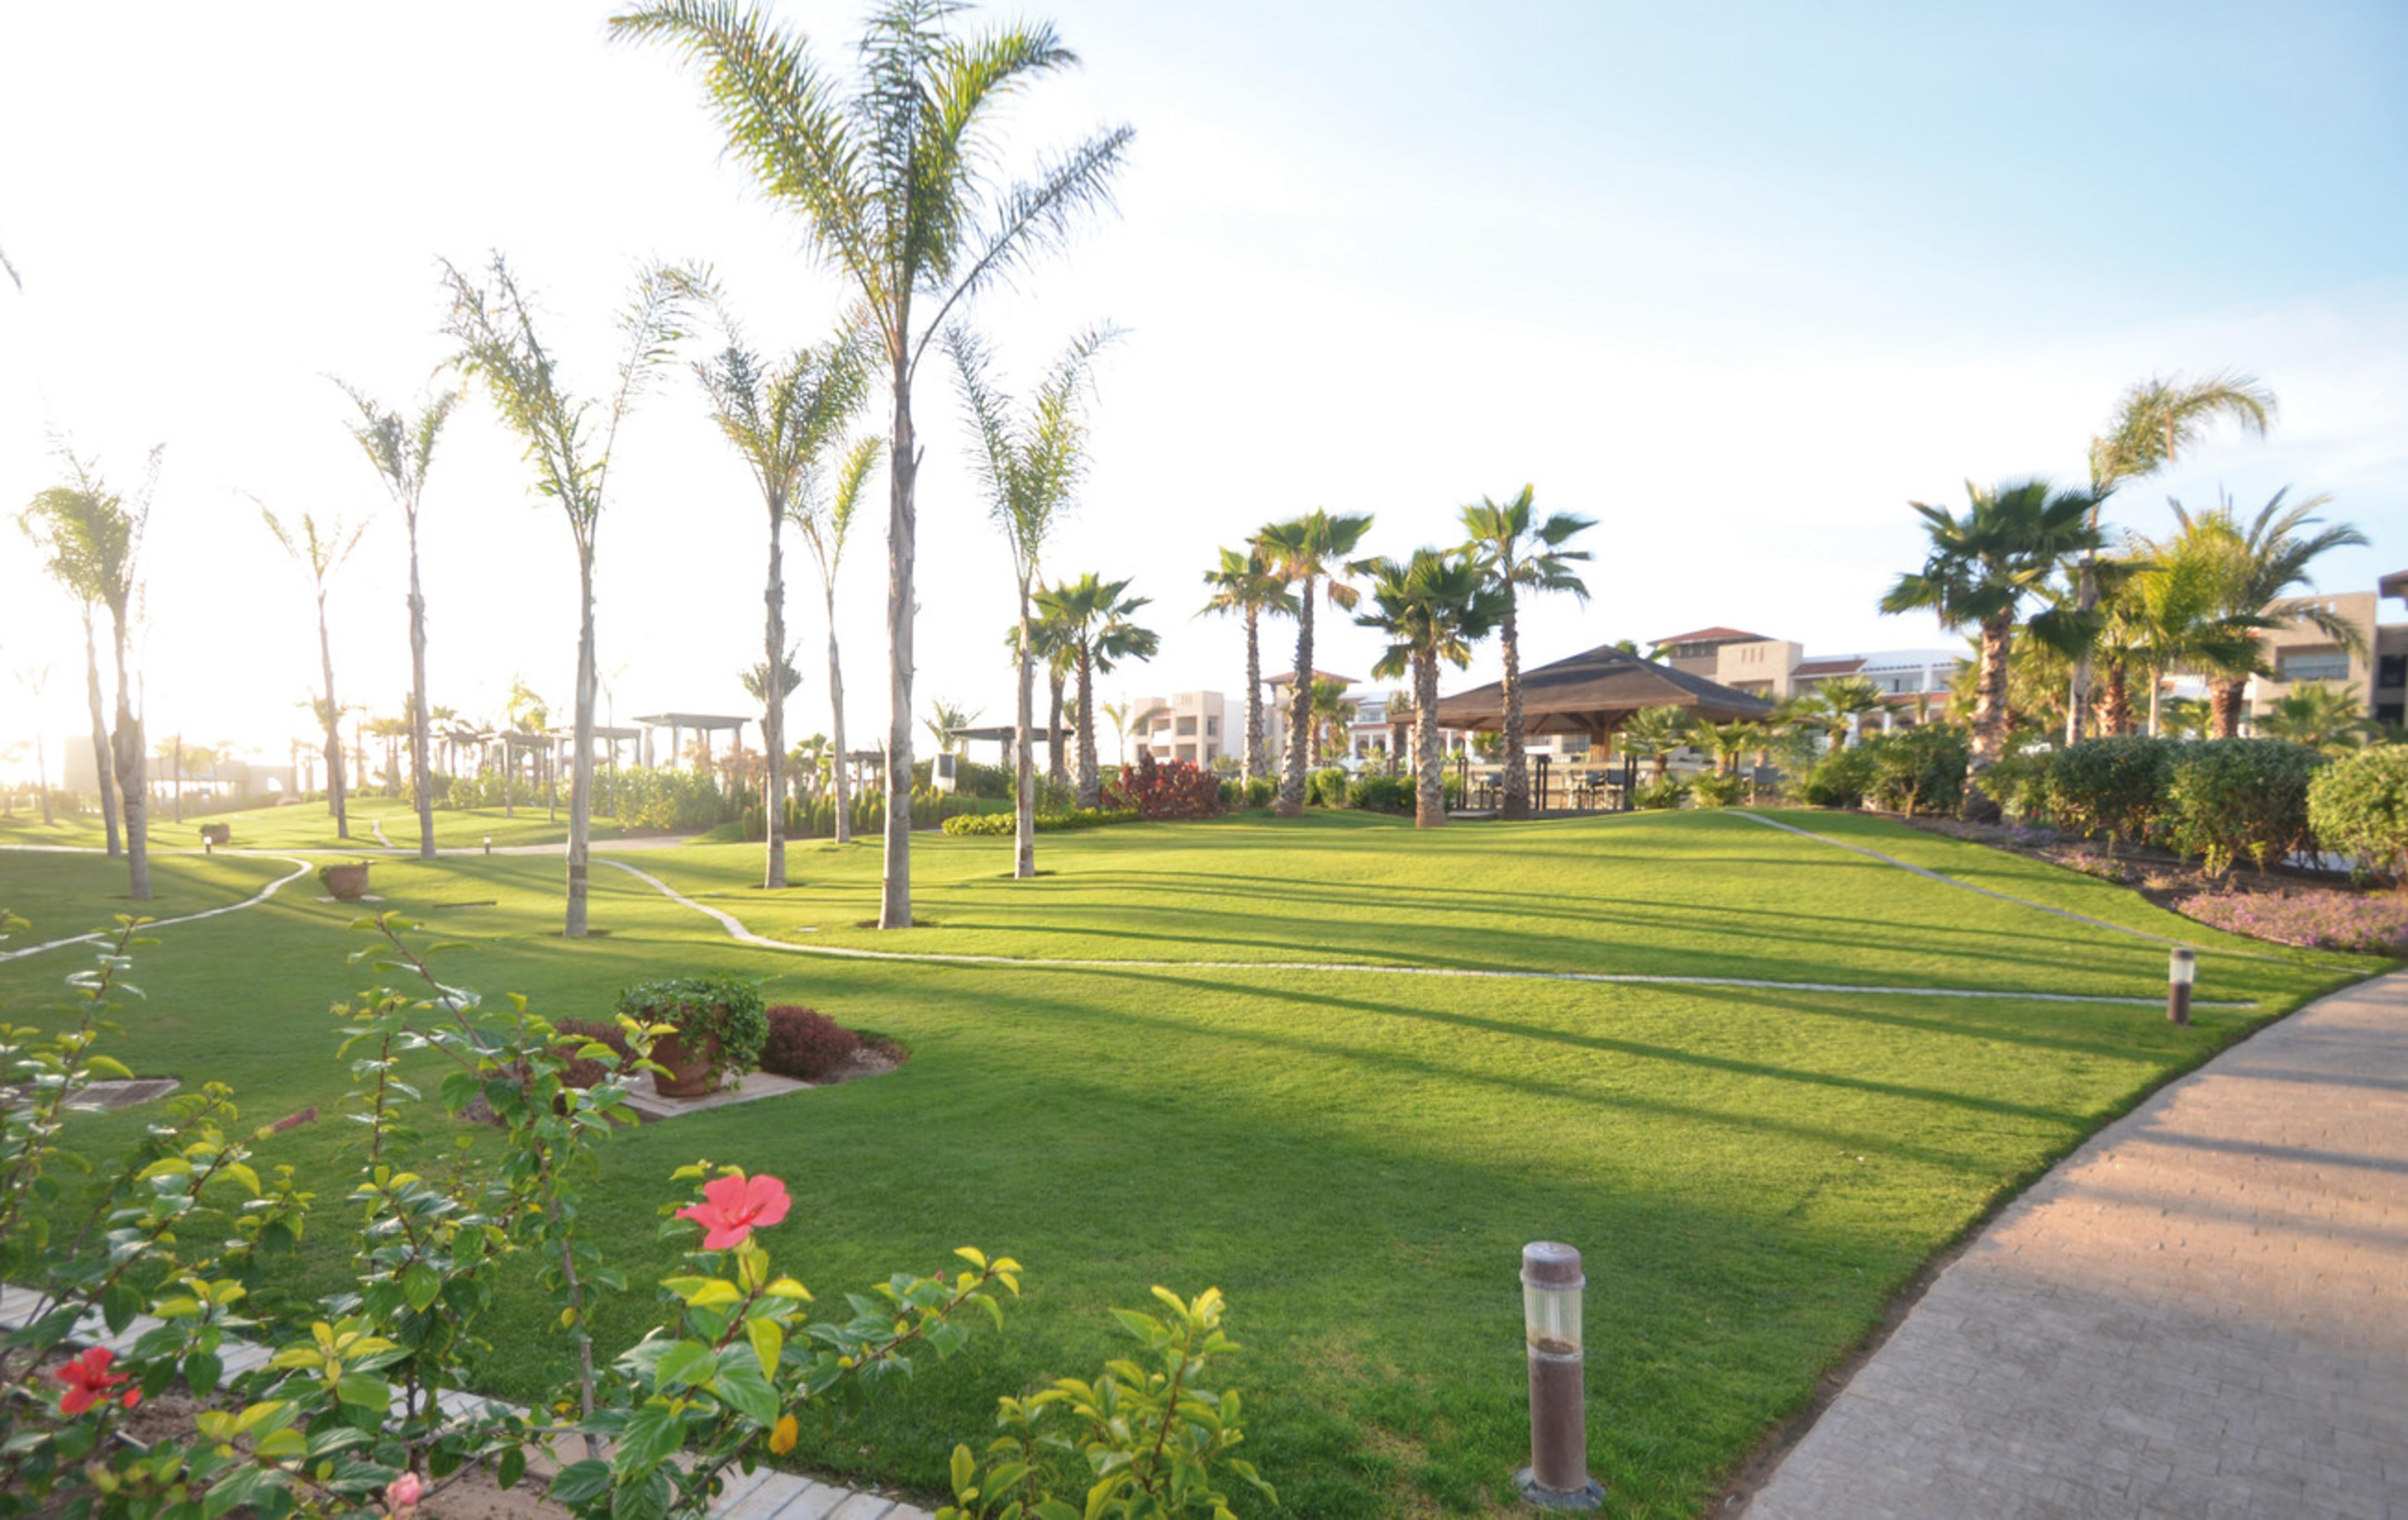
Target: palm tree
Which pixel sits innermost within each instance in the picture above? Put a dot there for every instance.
(944, 722)
(1094, 618)
(1245, 584)
(893, 182)
(1654, 733)
(321, 549)
(1308, 551)
(1400, 711)
(783, 419)
(1983, 567)
(395, 731)
(1332, 716)
(1051, 644)
(825, 516)
(2319, 716)
(1727, 741)
(1122, 713)
(1031, 466)
(2157, 422)
(758, 685)
(76, 530)
(1432, 607)
(499, 345)
(1842, 703)
(1518, 551)
(2175, 611)
(2264, 563)
(400, 448)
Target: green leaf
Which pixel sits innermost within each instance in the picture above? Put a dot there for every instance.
(653, 1432)
(645, 1500)
(237, 1487)
(118, 1306)
(201, 1370)
(580, 1482)
(684, 1364)
(511, 1468)
(768, 1340)
(739, 1381)
(364, 1390)
(421, 1284)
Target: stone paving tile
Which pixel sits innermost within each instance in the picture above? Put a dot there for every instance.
(2203, 1313)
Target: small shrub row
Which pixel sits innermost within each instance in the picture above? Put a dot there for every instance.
(1157, 789)
(2218, 800)
(1005, 825)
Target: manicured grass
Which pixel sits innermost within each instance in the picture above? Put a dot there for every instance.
(1355, 1158)
(305, 826)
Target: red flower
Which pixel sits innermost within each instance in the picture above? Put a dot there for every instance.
(89, 1382)
(732, 1206)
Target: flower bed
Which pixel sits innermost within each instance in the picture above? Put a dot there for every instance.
(2310, 918)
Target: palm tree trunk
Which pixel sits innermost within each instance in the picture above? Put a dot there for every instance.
(1517, 801)
(1300, 722)
(133, 792)
(1397, 728)
(422, 782)
(2116, 703)
(1430, 792)
(1254, 694)
(1023, 761)
(2224, 698)
(580, 768)
(2156, 701)
(1091, 775)
(773, 715)
(2085, 600)
(1990, 718)
(1057, 766)
(104, 769)
(334, 793)
(836, 727)
(895, 894)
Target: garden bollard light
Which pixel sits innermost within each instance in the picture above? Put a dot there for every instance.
(489, 844)
(2182, 970)
(1557, 1477)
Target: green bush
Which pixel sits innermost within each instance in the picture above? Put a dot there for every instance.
(972, 779)
(2113, 786)
(1665, 791)
(1719, 790)
(1840, 779)
(1919, 769)
(1325, 787)
(2358, 806)
(1005, 825)
(1381, 794)
(2226, 798)
(1260, 791)
(702, 1007)
(1450, 787)
(2018, 781)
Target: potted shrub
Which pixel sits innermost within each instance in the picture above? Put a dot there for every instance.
(345, 882)
(719, 1028)
(215, 834)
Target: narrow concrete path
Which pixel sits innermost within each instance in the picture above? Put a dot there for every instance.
(2201, 1313)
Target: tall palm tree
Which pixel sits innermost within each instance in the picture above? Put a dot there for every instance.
(1245, 585)
(782, 418)
(400, 448)
(826, 513)
(896, 186)
(1122, 713)
(1308, 551)
(2157, 421)
(1052, 645)
(1093, 617)
(499, 345)
(395, 732)
(1432, 607)
(74, 529)
(320, 549)
(1983, 567)
(1727, 741)
(945, 721)
(1518, 551)
(2264, 563)
(1841, 704)
(1031, 466)
(1654, 733)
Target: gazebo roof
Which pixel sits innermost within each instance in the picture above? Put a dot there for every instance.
(692, 720)
(1287, 677)
(1593, 693)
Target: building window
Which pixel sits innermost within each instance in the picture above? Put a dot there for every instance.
(1186, 729)
(1212, 729)
(2395, 670)
(2313, 664)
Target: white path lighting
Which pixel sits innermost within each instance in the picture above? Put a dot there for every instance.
(1557, 1477)
(2182, 970)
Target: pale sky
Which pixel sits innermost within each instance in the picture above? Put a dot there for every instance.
(1736, 280)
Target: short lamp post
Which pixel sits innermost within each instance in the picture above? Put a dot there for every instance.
(1557, 1477)
(489, 844)
(2182, 970)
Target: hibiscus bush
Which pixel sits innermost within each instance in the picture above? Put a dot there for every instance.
(1167, 789)
(343, 1415)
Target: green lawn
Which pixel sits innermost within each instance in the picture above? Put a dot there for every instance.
(1355, 1158)
(305, 826)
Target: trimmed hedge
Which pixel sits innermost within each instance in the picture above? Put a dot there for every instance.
(2113, 786)
(1006, 825)
(2358, 806)
(1382, 794)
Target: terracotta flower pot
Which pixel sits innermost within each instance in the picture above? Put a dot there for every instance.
(346, 883)
(688, 1070)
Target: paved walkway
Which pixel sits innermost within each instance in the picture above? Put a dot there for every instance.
(2201, 1313)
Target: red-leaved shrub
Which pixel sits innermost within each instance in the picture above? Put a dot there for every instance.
(1176, 789)
(806, 1044)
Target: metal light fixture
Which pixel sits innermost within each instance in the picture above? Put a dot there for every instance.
(489, 844)
(2182, 970)
(1557, 1477)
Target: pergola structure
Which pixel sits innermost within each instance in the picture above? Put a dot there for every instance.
(703, 723)
(1595, 693)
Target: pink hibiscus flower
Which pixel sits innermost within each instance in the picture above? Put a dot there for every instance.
(89, 1382)
(732, 1207)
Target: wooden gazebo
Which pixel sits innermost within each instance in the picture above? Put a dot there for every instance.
(1595, 693)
